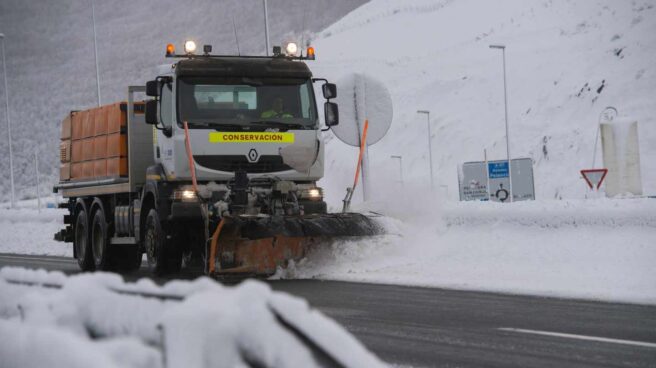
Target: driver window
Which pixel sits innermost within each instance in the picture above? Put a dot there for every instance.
(166, 105)
(305, 101)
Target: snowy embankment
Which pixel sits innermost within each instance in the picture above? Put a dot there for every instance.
(592, 249)
(97, 320)
(26, 231)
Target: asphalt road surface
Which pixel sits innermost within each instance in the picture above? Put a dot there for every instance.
(427, 327)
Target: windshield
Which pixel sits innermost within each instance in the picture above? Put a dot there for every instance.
(247, 103)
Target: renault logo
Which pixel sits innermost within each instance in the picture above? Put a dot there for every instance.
(252, 155)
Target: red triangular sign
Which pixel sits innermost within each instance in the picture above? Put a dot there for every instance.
(594, 177)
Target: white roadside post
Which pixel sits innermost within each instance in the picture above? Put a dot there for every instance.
(38, 192)
(95, 51)
(400, 158)
(11, 154)
(505, 103)
(430, 149)
(266, 26)
(487, 174)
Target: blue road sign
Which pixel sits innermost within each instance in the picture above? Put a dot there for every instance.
(498, 170)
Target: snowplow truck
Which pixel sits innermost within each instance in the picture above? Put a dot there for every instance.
(212, 164)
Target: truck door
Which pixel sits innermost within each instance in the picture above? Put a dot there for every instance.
(164, 144)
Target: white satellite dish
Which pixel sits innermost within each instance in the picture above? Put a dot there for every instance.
(361, 97)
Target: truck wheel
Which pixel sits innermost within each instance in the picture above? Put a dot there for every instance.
(81, 241)
(163, 255)
(99, 243)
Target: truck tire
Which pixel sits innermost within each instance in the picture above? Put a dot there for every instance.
(99, 242)
(81, 241)
(164, 256)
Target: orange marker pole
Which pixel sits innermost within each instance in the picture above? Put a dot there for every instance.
(213, 246)
(363, 144)
(192, 167)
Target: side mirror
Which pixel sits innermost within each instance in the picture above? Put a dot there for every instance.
(329, 90)
(152, 88)
(331, 113)
(151, 112)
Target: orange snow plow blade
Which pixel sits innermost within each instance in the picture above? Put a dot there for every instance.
(259, 245)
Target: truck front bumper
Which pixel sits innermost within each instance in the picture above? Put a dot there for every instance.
(186, 211)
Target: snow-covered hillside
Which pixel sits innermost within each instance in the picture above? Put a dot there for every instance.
(566, 61)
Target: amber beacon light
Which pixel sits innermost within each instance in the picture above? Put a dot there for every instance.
(170, 50)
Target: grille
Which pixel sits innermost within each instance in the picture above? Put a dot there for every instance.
(65, 151)
(232, 163)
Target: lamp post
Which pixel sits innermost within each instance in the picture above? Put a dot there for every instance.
(505, 103)
(36, 172)
(266, 26)
(95, 51)
(430, 149)
(11, 154)
(608, 114)
(400, 158)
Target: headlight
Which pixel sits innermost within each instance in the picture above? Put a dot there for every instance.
(190, 47)
(185, 195)
(291, 49)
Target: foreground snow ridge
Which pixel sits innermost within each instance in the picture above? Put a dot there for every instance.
(98, 320)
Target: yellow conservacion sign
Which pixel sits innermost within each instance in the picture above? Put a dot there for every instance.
(255, 137)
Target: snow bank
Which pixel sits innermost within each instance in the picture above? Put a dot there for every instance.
(99, 320)
(26, 231)
(595, 249)
(29, 345)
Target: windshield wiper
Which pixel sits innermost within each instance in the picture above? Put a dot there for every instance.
(217, 126)
(278, 124)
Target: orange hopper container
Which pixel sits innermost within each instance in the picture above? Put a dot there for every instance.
(95, 141)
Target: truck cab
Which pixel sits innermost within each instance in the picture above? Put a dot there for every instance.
(256, 116)
(251, 114)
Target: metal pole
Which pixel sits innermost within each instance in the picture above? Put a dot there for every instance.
(95, 51)
(430, 148)
(266, 26)
(11, 154)
(400, 158)
(505, 103)
(487, 174)
(38, 192)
